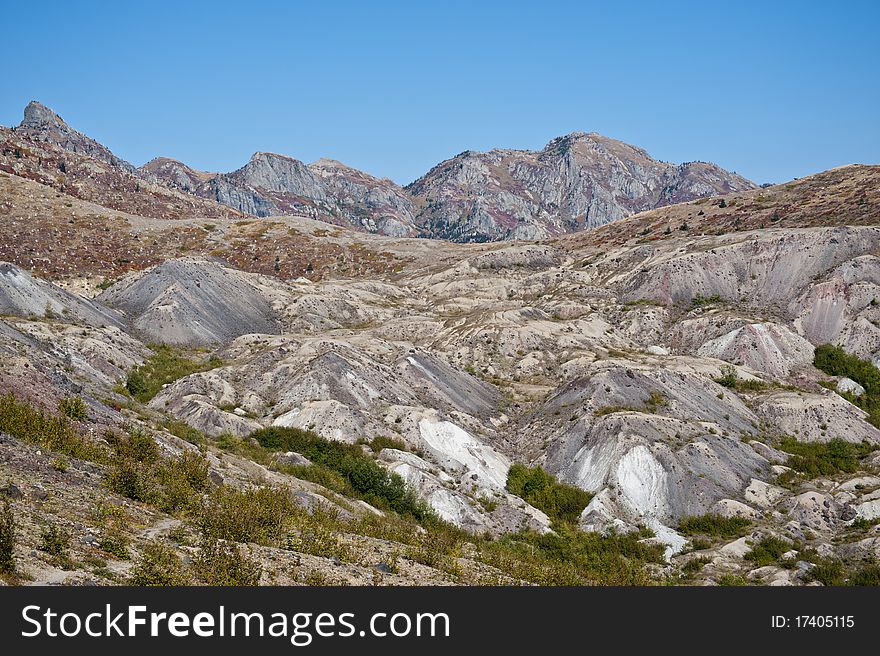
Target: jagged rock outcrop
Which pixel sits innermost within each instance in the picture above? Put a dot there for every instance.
(577, 181)
(42, 124)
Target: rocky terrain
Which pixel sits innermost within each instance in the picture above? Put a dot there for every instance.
(578, 181)
(694, 392)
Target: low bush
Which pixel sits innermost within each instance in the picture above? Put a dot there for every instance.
(55, 541)
(7, 539)
(159, 565)
(73, 408)
(834, 361)
(365, 477)
(562, 502)
(767, 551)
(259, 515)
(223, 563)
(30, 424)
(714, 526)
(813, 459)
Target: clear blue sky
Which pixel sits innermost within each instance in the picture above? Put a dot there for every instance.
(773, 90)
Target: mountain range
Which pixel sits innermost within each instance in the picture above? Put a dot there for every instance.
(578, 181)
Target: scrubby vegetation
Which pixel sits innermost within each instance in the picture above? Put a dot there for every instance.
(834, 361)
(363, 476)
(56, 433)
(714, 526)
(813, 459)
(767, 551)
(55, 542)
(562, 502)
(140, 472)
(159, 565)
(73, 408)
(7, 539)
(730, 378)
(223, 563)
(166, 365)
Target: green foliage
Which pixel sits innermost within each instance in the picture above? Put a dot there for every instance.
(572, 557)
(562, 502)
(732, 580)
(699, 300)
(385, 442)
(115, 542)
(827, 572)
(834, 361)
(166, 365)
(714, 526)
(730, 378)
(7, 539)
(141, 473)
(73, 408)
(768, 551)
(25, 422)
(813, 459)
(254, 515)
(159, 565)
(222, 563)
(364, 476)
(867, 575)
(55, 542)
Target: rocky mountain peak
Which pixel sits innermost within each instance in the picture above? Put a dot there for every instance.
(36, 114)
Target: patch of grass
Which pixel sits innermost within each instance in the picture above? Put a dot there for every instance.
(827, 572)
(562, 502)
(385, 442)
(366, 479)
(115, 542)
(866, 575)
(733, 580)
(141, 473)
(730, 378)
(714, 526)
(166, 365)
(699, 300)
(27, 423)
(768, 551)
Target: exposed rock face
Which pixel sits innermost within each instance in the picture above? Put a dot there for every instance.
(42, 124)
(577, 181)
(193, 302)
(24, 295)
(175, 174)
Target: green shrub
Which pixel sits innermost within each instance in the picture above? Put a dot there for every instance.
(827, 572)
(159, 565)
(27, 423)
(257, 515)
(73, 408)
(561, 501)
(7, 539)
(115, 542)
(813, 459)
(385, 442)
(55, 542)
(166, 365)
(768, 551)
(572, 557)
(364, 476)
(732, 580)
(866, 575)
(222, 563)
(713, 526)
(834, 361)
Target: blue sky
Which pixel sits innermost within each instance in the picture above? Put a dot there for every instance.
(772, 90)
